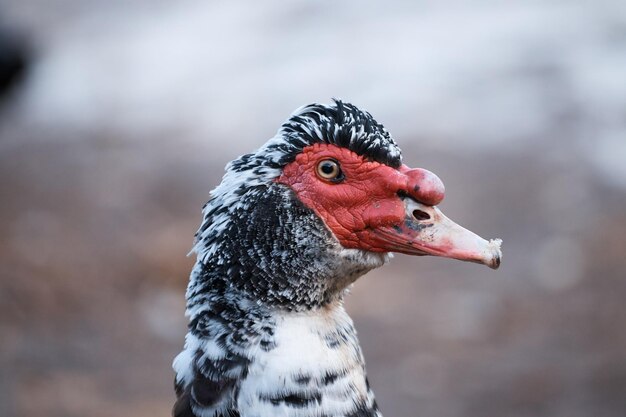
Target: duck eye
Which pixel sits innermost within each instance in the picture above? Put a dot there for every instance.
(329, 169)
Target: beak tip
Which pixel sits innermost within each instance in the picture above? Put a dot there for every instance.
(494, 258)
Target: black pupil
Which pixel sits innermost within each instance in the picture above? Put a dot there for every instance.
(328, 168)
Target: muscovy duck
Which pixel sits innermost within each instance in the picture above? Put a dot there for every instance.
(288, 230)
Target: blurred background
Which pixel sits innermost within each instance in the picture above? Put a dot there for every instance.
(116, 120)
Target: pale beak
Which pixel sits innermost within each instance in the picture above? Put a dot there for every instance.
(427, 231)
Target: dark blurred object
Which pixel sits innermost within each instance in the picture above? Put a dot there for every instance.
(13, 61)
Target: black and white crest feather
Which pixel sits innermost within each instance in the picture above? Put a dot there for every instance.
(268, 335)
(341, 124)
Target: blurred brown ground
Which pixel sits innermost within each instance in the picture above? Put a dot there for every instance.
(94, 229)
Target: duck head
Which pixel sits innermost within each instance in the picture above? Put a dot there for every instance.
(324, 201)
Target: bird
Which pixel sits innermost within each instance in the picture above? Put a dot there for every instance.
(283, 237)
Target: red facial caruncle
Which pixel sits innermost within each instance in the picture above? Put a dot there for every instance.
(374, 207)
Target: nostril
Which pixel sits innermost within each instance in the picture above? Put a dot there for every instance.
(421, 215)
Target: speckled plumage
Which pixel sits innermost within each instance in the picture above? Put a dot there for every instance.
(288, 230)
(268, 335)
